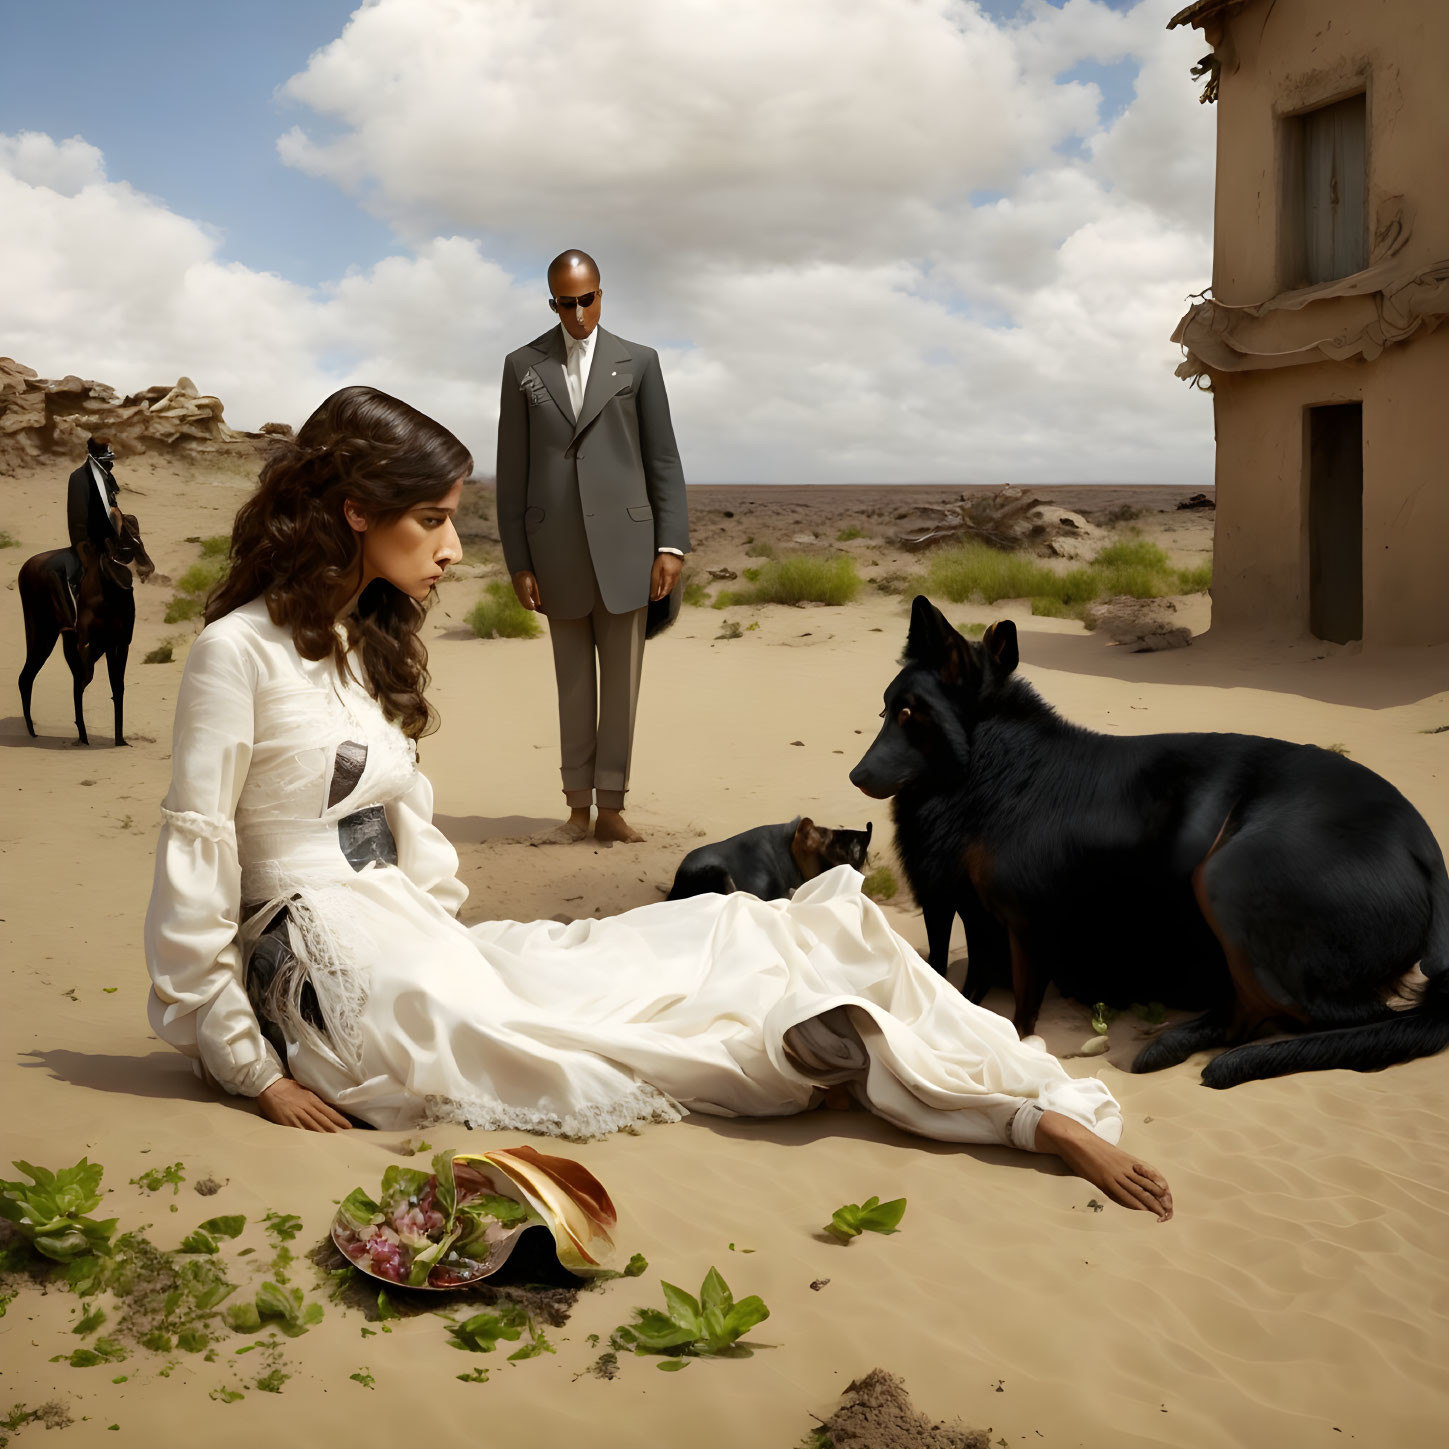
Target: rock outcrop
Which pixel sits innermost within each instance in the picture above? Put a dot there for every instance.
(42, 416)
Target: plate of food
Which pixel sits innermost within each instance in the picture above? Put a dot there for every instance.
(459, 1223)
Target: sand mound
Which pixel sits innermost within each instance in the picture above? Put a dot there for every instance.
(878, 1414)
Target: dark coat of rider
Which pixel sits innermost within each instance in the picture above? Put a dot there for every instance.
(88, 517)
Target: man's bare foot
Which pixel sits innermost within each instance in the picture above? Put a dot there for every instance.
(577, 825)
(1125, 1179)
(611, 825)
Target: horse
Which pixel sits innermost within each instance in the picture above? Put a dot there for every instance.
(105, 622)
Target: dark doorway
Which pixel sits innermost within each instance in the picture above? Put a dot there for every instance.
(1335, 522)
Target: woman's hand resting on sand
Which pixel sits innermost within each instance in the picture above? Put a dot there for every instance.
(290, 1104)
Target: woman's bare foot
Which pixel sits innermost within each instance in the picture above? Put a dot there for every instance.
(1125, 1179)
(611, 825)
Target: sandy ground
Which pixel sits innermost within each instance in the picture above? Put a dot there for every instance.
(1298, 1298)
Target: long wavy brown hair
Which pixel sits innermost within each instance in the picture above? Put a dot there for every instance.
(292, 544)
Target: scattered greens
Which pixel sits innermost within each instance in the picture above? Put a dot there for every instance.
(285, 1226)
(159, 1177)
(872, 1216)
(364, 1378)
(507, 1322)
(203, 1240)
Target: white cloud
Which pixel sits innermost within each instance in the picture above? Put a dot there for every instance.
(779, 197)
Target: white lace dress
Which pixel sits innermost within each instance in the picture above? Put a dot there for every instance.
(720, 1004)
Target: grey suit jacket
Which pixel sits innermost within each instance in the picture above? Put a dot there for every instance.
(600, 493)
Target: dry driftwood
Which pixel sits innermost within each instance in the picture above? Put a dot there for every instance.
(1007, 519)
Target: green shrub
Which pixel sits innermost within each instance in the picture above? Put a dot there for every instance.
(974, 570)
(1130, 552)
(180, 609)
(973, 631)
(763, 549)
(217, 546)
(161, 654)
(695, 594)
(8, 540)
(846, 534)
(880, 884)
(1131, 566)
(751, 574)
(201, 578)
(799, 579)
(1196, 580)
(501, 616)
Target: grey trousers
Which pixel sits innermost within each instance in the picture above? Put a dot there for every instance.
(597, 661)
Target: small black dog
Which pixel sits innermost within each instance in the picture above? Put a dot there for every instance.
(1270, 883)
(769, 861)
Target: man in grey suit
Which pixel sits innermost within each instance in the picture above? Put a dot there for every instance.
(594, 522)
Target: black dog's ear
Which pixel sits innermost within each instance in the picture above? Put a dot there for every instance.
(999, 642)
(933, 642)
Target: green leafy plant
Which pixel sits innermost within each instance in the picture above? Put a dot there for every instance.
(478, 1376)
(1102, 1017)
(871, 1216)
(364, 1378)
(712, 1324)
(8, 539)
(217, 546)
(227, 1395)
(161, 654)
(271, 1382)
(51, 1210)
(695, 594)
(846, 534)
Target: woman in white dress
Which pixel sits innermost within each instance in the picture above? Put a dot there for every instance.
(303, 935)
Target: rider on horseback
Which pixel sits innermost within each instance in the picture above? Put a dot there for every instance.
(94, 520)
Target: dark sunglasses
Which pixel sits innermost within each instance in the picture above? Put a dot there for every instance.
(586, 299)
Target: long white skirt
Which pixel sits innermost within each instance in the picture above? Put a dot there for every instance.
(721, 1004)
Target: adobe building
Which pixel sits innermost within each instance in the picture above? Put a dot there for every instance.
(1320, 341)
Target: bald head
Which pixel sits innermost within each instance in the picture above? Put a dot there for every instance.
(574, 292)
(567, 266)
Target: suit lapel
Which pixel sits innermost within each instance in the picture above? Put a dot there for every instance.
(550, 369)
(606, 377)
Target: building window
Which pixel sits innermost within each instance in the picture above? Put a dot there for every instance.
(1325, 194)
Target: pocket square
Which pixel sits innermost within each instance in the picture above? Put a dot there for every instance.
(532, 384)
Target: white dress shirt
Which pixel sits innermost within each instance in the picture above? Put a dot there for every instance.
(99, 474)
(584, 346)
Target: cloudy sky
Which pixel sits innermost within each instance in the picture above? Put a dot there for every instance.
(873, 240)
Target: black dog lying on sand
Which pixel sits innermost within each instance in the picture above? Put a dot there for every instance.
(1273, 885)
(769, 861)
